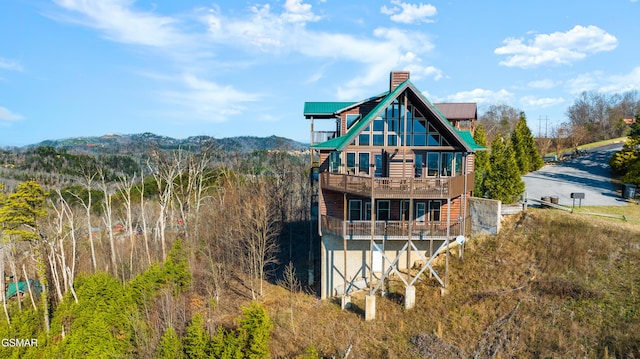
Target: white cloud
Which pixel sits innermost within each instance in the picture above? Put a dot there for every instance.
(543, 84)
(418, 72)
(204, 100)
(296, 11)
(556, 48)
(8, 64)
(584, 82)
(599, 81)
(622, 83)
(120, 22)
(273, 32)
(269, 30)
(541, 102)
(7, 115)
(407, 13)
(481, 96)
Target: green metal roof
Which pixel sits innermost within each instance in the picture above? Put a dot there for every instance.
(22, 287)
(468, 138)
(324, 108)
(339, 143)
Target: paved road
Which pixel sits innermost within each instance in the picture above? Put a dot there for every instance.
(589, 174)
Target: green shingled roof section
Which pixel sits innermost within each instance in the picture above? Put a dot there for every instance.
(468, 138)
(324, 108)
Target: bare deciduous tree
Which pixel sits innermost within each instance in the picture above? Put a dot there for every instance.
(259, 228)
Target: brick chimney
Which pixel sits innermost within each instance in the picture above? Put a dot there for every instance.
(397, 77)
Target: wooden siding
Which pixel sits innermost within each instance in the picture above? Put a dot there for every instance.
(471, 160)
(324, 161)
(332, 204)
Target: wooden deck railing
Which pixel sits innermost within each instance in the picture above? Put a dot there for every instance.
(393, 230)
(392, 187)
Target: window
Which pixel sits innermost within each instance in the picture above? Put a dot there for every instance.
(363, 162)
(408, 126)
(458, 163)
(420, 212)
(418, 165)
(351, 119)
(334, 162)
(447, 163)
(351, 162)
(433, 164)
(419, 140)
(392, 140)
(363, 139)
(392, 125)
(418, 126)
(404, 210)
(377, 158)
(384, 208)
(355, 209)
(378, 140)
(434, 210)
(434, 140)
(367, 211)
(378, 124)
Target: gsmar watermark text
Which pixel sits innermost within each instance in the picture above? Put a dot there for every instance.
(18, 342)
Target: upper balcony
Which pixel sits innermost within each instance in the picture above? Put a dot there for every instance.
(322, 136)
(393, 187)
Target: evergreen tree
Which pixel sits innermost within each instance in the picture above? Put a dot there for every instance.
(19, 216)
(225, 345)
(503, 181)
(519, 145)
(481, 161)
(170, 346)
(21, 210)
(627, 161)
(99, 325)
(255, 331)
(524, 145)
(196, 339)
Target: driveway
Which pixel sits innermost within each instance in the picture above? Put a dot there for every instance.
(589, 174)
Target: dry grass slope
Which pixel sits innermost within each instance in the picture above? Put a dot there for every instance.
(551, 284)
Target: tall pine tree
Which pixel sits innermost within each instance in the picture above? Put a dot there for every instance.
(19, 217)
(503, 181)
(527, 156)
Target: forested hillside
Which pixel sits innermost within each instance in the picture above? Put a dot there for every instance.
(95, 234)
(196, 255)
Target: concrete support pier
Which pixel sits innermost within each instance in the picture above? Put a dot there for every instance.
(370, 307)
(409, 297)
(346, 301)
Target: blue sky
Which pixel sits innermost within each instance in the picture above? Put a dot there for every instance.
(181, 68)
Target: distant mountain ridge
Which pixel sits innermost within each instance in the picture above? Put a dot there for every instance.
(118, 143)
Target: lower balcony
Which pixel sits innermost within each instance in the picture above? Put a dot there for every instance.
(394, 230)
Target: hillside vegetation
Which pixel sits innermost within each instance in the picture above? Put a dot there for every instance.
(552, 284)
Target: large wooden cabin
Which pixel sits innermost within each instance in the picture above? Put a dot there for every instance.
(392, 182)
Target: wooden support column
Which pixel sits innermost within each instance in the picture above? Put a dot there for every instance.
(409, 238)
(373, 233)
(446, 268)
(345, 295)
